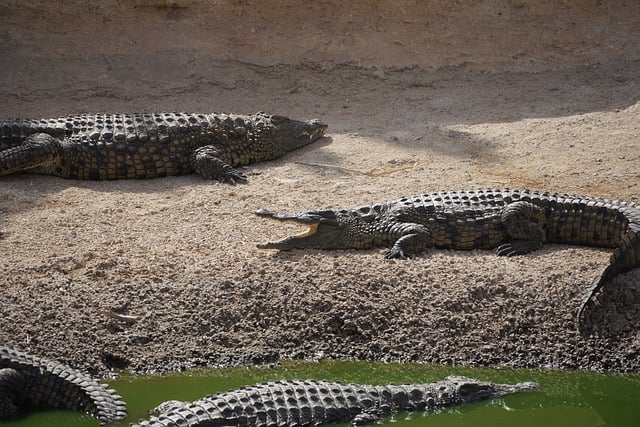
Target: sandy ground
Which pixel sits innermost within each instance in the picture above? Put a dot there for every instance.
(421, 97)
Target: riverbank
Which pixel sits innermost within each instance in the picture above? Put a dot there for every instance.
(560, 112)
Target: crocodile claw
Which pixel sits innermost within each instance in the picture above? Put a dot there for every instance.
(517, 247)
(395, 253)
(233, 176)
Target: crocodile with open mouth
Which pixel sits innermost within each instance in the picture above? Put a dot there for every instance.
(514, 222)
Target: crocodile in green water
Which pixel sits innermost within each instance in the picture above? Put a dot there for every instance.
(33, 383)
(311, 403)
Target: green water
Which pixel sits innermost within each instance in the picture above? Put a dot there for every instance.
(565, 398)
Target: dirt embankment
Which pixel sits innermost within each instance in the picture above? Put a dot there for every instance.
(419, 96)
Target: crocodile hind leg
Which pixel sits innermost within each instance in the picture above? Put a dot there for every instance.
(206, 162)
(523, 223)
(37, 150)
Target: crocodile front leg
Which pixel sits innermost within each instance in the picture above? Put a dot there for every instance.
(523, 222)
(207, 163)
(37, 150)
(413, 239)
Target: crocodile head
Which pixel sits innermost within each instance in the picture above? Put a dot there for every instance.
(469, 390)
(278, 134)
(327, 230)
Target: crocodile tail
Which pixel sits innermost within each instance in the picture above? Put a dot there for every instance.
(66, 388)
(46, 384)
(626, 257)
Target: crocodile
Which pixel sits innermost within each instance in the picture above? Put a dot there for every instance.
(514, 222)
(309, 402)
(123, 146)
(32, 383)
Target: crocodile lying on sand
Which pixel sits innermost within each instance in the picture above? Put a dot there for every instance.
(303, 403)
(513, 221)
(119, 146)
(31, 383)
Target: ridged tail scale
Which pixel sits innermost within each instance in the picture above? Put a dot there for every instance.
(30, 383)
(624, 258)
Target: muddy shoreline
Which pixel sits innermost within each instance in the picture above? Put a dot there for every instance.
(417, 100)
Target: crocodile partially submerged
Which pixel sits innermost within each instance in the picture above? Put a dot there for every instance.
(309, 403)
(119, 146)
(32, 383)
(512, 221)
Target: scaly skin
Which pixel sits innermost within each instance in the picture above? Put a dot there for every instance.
(31, 383)
(122, 146)
(303, 403)
(513, 221)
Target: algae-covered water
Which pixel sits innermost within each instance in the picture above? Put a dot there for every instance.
(565, 398)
